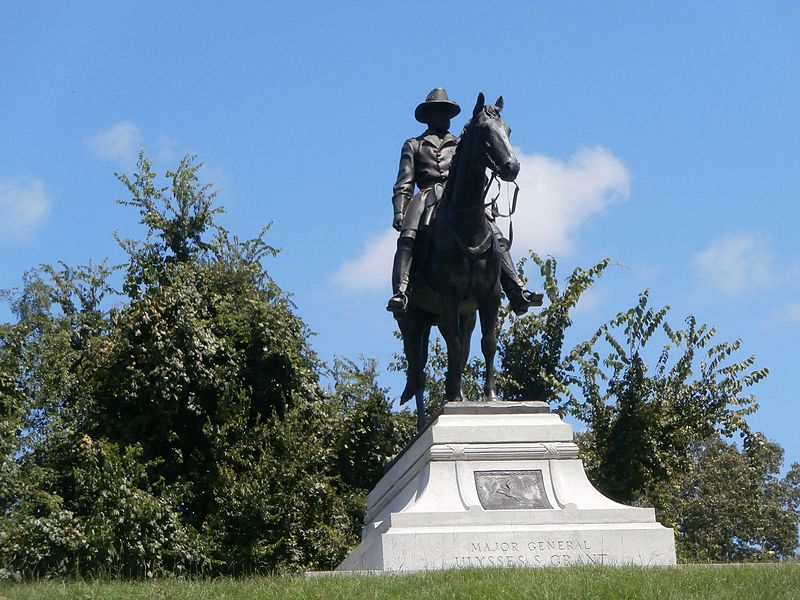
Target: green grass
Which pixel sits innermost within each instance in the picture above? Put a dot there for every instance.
(750, 582)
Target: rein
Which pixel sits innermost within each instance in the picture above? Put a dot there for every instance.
(512, 208)
(495, 211)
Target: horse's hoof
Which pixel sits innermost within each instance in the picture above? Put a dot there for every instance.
(490, 396)
(408, 393)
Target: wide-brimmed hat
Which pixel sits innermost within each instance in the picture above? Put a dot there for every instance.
(436, 100)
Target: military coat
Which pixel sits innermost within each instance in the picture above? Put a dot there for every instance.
(424, 161)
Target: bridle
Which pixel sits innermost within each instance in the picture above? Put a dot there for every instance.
(479, 249)
(483, 205)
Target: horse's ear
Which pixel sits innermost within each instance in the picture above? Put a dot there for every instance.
(499, 104)
(479, 104)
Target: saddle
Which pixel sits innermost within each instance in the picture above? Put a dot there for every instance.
(420, 291)
(431, 199)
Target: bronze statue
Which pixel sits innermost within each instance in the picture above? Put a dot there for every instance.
(460, 257)
(425, 161)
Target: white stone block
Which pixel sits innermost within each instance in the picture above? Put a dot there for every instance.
(499, 484)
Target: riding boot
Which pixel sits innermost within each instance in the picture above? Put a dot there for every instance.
(400, 275)
(519, 298)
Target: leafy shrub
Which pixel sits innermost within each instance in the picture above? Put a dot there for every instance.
(89, 510)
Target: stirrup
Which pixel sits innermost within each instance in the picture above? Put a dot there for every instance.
(523, 300)
(534, 299)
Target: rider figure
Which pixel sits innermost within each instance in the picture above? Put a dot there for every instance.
(425, 161)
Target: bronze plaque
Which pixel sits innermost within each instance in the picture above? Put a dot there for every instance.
(510, 490)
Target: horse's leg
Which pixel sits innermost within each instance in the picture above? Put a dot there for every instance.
(410, 330)
(422, 418)
(424, 337)
(451, 331)
(467, 326)
(488, 308)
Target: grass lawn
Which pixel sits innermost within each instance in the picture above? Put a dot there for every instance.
(746, 582)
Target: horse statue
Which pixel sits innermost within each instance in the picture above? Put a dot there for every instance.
(458, 271)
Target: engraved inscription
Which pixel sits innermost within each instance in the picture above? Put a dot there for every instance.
(533, 553)
(503, 490)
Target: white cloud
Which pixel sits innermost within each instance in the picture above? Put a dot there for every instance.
(789, 313)
(555, 199)
(735, 263)
(372, 270)
(23, 208)
(120, 142)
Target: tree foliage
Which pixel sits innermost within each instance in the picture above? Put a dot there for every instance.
(72, 504)
(182, 428)
(645, 420)
(534, 363)
(659, 419)
(372, 433)
(733, 505)
(85, 506)
(179, 426)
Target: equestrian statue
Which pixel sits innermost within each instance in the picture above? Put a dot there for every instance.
(460, 258)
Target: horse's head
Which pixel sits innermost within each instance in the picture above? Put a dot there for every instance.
(494, 134)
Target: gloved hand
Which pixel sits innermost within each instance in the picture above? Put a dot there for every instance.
(397, 222)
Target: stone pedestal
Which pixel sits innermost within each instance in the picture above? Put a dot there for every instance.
(499, 484)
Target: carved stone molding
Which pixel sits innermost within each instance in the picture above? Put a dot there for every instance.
(516, 451)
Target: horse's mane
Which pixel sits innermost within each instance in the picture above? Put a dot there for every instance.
(451, 175)
(490, 110)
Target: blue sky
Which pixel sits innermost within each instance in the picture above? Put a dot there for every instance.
(663, 135)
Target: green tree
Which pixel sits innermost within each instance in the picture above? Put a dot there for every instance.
(534, 365)
(72, 505)
(209, 369)
(644, 420)
(372, 433)
(658, 419)
(177, 218)
(198, 399)
(278, 504)
(733, 505)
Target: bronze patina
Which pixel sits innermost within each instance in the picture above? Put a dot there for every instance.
(460, 257)
(425, 164)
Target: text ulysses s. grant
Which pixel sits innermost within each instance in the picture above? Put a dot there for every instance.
(536, 553)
